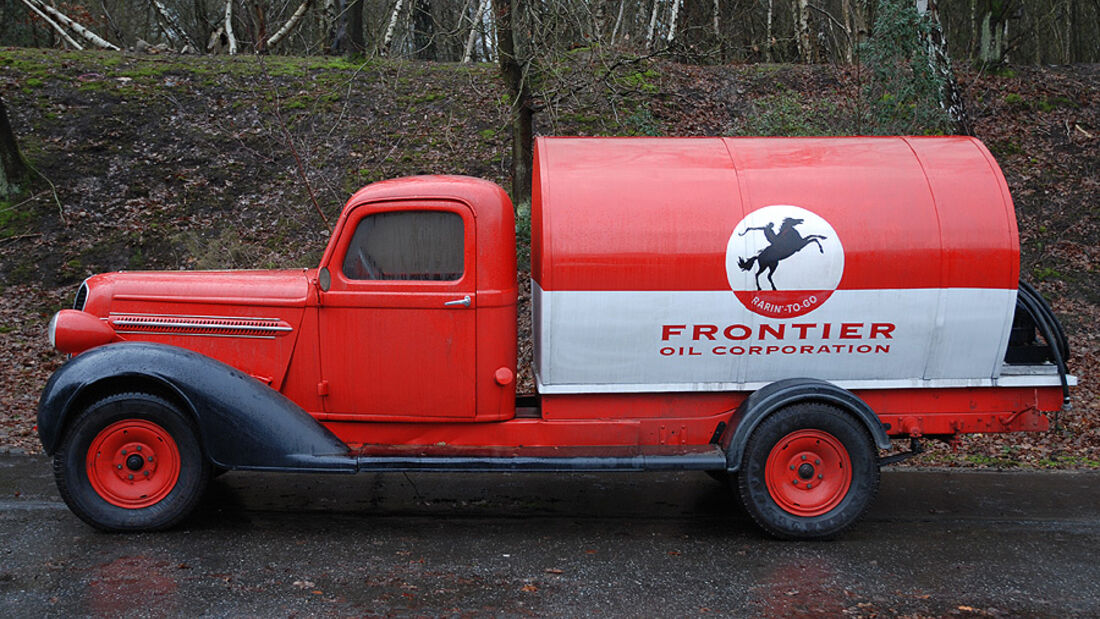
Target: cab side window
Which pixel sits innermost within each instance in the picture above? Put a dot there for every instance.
(407, 245)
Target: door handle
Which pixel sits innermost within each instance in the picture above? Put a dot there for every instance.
(464, 302)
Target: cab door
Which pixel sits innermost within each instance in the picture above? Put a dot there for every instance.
(397, 323)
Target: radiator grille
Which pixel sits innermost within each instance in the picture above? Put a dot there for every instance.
(81, 297)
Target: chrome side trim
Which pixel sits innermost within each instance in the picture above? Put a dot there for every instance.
(211, 326)
(204, 326)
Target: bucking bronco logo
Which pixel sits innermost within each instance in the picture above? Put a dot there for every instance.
(799, 281)
(783, 245)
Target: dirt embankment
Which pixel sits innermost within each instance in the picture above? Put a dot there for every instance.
(192, 162)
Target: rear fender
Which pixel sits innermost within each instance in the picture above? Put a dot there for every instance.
(789, 391)
(243, 423)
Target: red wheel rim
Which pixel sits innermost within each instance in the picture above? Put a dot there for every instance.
(133, 463)
(808, 473)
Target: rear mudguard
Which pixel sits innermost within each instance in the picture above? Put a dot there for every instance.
(243, 423)
(789, 391)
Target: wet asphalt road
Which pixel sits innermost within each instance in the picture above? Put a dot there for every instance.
(641, 545)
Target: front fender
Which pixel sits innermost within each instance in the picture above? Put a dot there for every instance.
(243, 423)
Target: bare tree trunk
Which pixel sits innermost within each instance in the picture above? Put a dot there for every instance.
(357, 41)
(88, 35)
(768, 43)
(424, 47)
(290, 24)
(850, 42)
(64, 35)
(328, 26)
(260, 27)
(522, 111)
(652, 24)
(474, 27)
(13, 172)
(951, 98)
(672, 22)
(802, 26)
(389, 29)
(971, 49)
(618, 21)
(339, 34)
(229, 27)
(171, 23)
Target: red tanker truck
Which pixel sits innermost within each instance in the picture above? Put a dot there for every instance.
(771, 311)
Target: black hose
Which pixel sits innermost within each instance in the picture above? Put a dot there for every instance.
(1051, 329)
(1045, 308)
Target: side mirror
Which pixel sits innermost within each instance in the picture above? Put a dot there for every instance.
(324, 279)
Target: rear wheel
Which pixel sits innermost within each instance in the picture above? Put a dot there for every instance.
(809, 471)
(131, 462)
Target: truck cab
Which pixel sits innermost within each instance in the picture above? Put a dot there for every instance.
(416, 304)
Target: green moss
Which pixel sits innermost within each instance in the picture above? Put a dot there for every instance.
(15, 221)
(1053, 103)
(1014, 99)
(1069, 462)
(981, 460)
(640, 80)
(789, 114)
(1043, 274)
(1003, 148)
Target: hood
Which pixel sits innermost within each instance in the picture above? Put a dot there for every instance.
(247, 319)
(112, 292)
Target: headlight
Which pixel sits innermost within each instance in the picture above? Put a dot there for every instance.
(51, 330)
(74, 332)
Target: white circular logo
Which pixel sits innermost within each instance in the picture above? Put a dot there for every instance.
(783, 261)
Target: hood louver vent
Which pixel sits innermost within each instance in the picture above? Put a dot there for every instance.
(211, 326)
(81, 297)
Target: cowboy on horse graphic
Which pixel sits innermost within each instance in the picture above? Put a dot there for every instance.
(784, 244)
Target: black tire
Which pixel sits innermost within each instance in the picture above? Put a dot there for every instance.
(155, 489)
(790, 438)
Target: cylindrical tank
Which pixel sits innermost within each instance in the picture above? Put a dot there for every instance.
(719, 264)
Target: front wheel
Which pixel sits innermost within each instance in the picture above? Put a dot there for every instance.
(131, 462)
(809, 471)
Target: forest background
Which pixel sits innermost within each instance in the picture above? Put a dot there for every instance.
(167, 134)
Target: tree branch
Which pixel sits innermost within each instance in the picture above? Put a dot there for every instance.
(88, 35)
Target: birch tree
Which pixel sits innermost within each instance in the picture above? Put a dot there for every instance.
(475, 27)
(802, 31)
(290, 24)
(228, 25)
(939, 62)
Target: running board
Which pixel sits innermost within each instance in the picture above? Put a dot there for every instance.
(709, 458)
